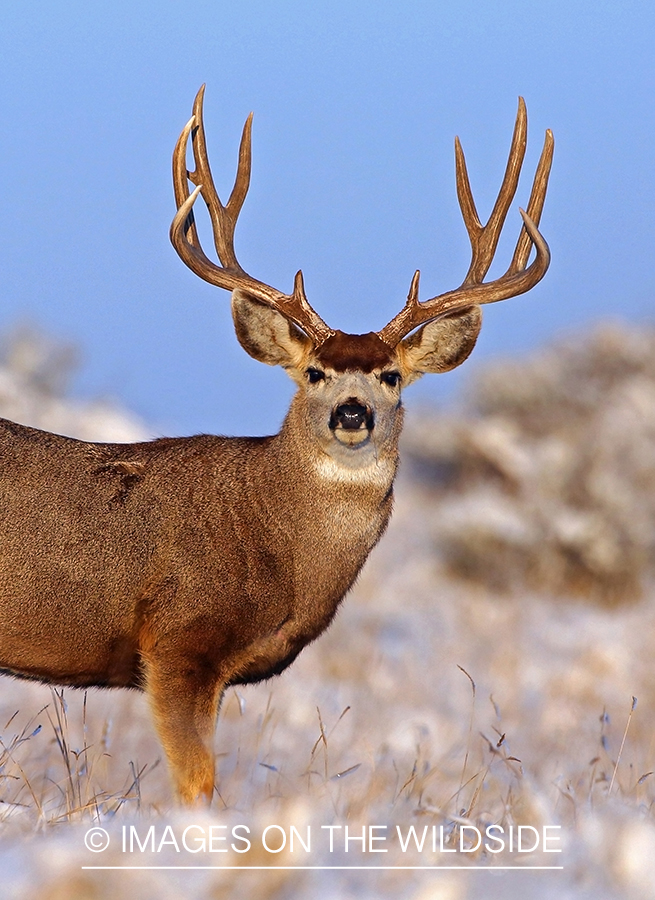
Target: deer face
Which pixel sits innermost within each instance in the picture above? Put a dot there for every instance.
(350, 385)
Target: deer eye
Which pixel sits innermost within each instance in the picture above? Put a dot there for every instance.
(314, 375)
(390, 378)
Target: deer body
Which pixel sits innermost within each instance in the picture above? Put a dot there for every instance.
(257, 572)
(183, 565)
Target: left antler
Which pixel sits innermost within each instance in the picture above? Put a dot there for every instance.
(484, 240)
(184, 235)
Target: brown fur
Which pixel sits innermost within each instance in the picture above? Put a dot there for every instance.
(365, 352)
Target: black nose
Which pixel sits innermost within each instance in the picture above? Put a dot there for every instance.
(351, 416)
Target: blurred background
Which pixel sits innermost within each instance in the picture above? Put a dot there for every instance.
(356, 107)
(510, 603)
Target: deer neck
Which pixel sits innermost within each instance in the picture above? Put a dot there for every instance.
(338, 514)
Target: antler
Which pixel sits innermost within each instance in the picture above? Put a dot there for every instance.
(184, 235)
(484, 240)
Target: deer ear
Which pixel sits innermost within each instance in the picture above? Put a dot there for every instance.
(265, 334)
(440, 345)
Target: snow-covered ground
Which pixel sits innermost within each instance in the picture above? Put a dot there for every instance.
(465, 683)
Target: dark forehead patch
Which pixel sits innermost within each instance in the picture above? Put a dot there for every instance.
(361, 352)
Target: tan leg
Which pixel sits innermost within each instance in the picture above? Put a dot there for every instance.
(184, 698)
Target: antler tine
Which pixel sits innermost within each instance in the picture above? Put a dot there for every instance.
(181, 183)
(484, 240)
(535, 204)
(184, 235)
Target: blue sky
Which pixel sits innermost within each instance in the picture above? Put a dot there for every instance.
(356, 106)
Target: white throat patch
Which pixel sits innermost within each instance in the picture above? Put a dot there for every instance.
(378, 473)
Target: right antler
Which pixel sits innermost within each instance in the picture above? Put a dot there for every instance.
(484, 240)
(184, 235)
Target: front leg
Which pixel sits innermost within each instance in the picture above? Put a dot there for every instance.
(184, 693)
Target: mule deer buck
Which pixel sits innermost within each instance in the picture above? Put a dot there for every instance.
(181, 566)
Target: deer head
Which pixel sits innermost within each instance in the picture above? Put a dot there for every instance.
(350, 384)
